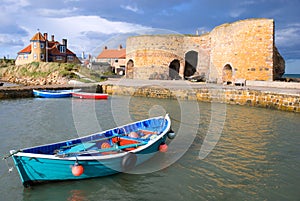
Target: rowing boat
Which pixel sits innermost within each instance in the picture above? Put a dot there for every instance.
(54, 93)
(86, 95)
(105, 153)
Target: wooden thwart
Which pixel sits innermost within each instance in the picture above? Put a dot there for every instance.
(114, 148)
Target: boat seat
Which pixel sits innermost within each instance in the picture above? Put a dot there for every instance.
(79, 148)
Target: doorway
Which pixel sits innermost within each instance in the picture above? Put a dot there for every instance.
(227, 74)
(191, 60)
(129, 68)
(174, 70)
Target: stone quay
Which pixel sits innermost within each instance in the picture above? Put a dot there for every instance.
(285, 96)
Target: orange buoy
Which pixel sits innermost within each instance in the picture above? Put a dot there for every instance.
(163, 147)
(77, 169)
(105, 145)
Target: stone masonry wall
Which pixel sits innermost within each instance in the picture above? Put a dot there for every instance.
(264, 99)
(246, 48)
(153, 54)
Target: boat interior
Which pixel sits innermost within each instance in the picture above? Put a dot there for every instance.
(115, 140)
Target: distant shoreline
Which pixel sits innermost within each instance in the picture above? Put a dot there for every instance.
(291, 76)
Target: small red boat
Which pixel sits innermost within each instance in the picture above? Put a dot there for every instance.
(86, 95)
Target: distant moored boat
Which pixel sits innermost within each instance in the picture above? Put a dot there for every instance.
(54, 93)
(85, 95)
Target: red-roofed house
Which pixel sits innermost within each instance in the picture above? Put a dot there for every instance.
(115, 57)
(41, 49)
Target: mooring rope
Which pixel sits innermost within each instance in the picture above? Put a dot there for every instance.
(10, 169)
(11, 154)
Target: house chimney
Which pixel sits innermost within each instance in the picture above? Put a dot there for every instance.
(120, 46)
(46, 36)
(52, 38)
(64, 42)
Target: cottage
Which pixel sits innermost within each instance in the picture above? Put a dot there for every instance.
(41, 49)
(115, 57)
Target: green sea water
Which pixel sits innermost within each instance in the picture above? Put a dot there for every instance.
(254, 152)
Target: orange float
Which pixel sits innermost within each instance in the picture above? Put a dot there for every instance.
(77, 169)
(163, 147)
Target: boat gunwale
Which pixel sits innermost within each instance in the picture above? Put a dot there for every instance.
(88, 93)
(94, 157)
(55, 92)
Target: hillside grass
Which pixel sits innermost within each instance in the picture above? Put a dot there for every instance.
(39, 69)
(48, 69)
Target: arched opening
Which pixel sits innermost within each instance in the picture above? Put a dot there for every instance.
(191, 60)
(174, 70)
(129, 68)
(227, 74)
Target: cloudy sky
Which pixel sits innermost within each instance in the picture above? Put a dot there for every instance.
(90, 24)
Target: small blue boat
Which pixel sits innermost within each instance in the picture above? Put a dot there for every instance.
(112, 151)
(54, 93)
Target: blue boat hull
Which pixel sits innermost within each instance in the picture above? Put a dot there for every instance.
(33, 170)
(53, 93)
(38, 170)
(44, 163)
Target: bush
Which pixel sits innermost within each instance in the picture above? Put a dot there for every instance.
(69, 67)
(35, 64)
(68, 74)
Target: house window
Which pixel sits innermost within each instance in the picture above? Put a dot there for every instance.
(62, 49)
(25, 56)
(58, 57)
(34, 56)
(42, 56)
(42, 45)
(70, 58)
(34, 44)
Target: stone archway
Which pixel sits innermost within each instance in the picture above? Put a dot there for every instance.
(174, 70)
(227, 74)
(129, 69)
(191, 60)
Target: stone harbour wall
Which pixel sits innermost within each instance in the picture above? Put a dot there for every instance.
(248, 97)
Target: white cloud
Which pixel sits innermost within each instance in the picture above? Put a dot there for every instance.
(132, 8)
(15, 3)
(10, 8)
(78, 29)
(237, 13)
(56, 12)
(289, 36)
(77, 24)
(13, 6)
(7, 40)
